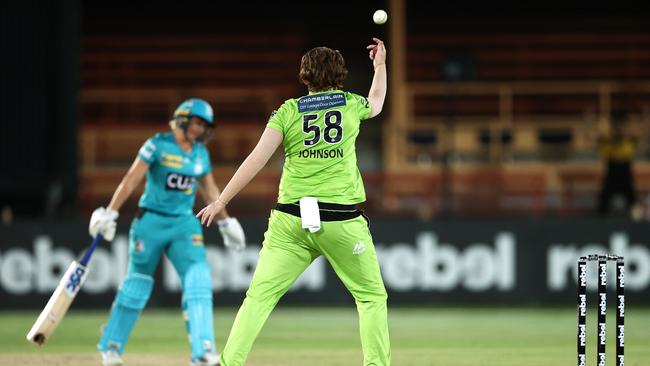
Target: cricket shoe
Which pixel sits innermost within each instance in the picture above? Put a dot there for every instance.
(208, 359)
(111, 358)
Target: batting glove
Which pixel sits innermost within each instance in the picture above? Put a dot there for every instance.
(232, 233)
(103, 222)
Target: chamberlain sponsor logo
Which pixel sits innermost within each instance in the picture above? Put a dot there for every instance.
(179, 182)
(321, 154)
(561, 273)
(320, 101)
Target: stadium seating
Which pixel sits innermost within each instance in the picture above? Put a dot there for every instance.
(530, 55)
(190, 61)
(514, 135)
(132, 84)
(480, 102)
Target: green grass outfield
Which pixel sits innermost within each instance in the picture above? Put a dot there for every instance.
(329, 336)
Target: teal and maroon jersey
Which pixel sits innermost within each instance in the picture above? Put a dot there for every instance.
(173, 173)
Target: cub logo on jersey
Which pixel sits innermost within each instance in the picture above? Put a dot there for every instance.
(180, 182)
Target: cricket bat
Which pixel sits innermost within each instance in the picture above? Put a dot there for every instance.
(63, 295)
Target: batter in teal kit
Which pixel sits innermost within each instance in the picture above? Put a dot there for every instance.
(176, 165)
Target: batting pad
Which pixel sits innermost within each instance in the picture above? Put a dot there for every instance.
(198, 297)
(129, 302)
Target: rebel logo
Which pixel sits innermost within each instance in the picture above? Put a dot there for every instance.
(179, 182)
(583, 274)
(621, 336)
(582, 307)
(603, 274)
(602, 334)
(621, 306)
(603, 304)
(621, 276)
(582, 335)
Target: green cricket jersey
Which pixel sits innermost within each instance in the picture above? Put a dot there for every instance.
(320, 130)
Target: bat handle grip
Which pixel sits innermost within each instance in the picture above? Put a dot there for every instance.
(86, 258)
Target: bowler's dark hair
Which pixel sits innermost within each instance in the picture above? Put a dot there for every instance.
(322, 68)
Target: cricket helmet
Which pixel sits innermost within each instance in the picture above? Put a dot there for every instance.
(195, 107)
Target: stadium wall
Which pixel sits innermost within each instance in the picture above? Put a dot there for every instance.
(473, 262)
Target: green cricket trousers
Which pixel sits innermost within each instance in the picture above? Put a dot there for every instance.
(287, 251)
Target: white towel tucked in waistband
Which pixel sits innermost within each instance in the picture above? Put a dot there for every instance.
(309, 214)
